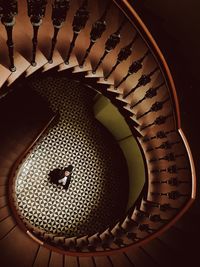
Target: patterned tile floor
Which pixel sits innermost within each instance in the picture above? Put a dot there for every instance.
(97, 193)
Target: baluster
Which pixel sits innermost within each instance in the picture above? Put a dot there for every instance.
(154, 108)
(159, 135)
(168, 157)
(146, 228)
(171, 157)
(163, 207)
(172, 181)
(170, 169)
(132, 236)
(59, 14)
(110, 45)
(96, 32)
(124, 53)
(171, 195)
(8, 11)
(152, 217)
(158, 121)
(143, 80)
(36, 11)
(134, 68)
(167, 145)
(150, 93)
(79, 22)
(156, 218)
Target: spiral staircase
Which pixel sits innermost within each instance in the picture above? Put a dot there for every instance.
(103, 45)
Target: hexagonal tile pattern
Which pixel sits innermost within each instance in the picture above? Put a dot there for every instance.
(97, 193)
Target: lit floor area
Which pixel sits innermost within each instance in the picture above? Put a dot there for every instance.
(98, 192)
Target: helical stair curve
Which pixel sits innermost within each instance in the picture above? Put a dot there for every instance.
(105, 45)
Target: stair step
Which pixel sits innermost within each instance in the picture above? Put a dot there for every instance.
(42, 257)
(72, 63)
(86, 262)
(17, 249)
(120, 260)
(102, 261)
(57, 60)
(6, 226)
(70, 261)
(3, 180)
(56, 260)
(86, 67)
(5, 73)
(112, 89)
(3, 202)
(120, 98)
(21, 65)
(40, 60)
(97, 74)
(140, 259)
(161, 254)
(109, 81)
(4, 213)
(2, 191)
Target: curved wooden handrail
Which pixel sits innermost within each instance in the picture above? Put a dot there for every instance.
(134, 18)
(11, 175)
(130, 13)
(193, 172)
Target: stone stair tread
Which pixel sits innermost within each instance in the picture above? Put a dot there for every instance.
(3, 201)
(6, 226)
(86, 67)
(40, 60)
(56, 259)
(70, 261)
(21, 65)
(72, 63)
(4, 212)
(22, 249)
(97, 74)
(42, 257)
(5, 73)
(57, 60)
(109, 81)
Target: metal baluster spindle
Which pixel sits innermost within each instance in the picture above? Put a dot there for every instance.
(124, 53)
(158, 121)
(97, 30)
(171, 195)
(79, 22)
(154, 108)
(8, 10)
(167, 145)
(150, 93)
(167, 157)
(110, 44)
(174, 181)
(143, 80)
(170, 169)
(59, 14)
(36, 11)
(159, 135)
(133, 68)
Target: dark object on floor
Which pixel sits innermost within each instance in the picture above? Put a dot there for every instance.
(58, 174)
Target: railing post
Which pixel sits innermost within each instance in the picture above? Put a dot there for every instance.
(36, 11)
(96, 32)
(8, 10)
(79, 22)
(110, 45)
(59, 14)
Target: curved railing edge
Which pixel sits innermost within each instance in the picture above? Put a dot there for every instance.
(142, 29)
(14, 168)
(192, 166)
